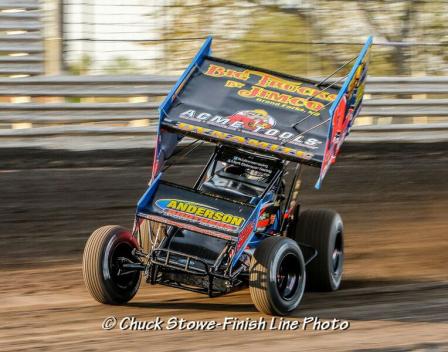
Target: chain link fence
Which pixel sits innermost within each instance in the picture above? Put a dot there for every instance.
(299, 37)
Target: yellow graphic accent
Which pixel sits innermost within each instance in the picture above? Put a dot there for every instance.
(244, 141)
(270, 81)
(234, 84)
(267, 81)
(204, 212)
(276, 97)
(220, 71)
(261, 112)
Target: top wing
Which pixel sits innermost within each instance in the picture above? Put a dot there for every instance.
(227, 102)
(345, 109)
(289, 117)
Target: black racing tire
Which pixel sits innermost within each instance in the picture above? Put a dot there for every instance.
(323, 230)
(100, 270)
(277, 276)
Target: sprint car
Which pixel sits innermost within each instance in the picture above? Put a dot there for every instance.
(240, 224)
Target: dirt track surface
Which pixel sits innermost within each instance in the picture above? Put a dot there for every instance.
(394, 203)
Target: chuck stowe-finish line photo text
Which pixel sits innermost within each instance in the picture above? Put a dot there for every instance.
(228, 323)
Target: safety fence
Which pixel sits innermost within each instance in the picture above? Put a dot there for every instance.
(395, 108)
(21, 38)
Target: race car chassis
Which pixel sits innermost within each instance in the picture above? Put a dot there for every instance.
(207, 279)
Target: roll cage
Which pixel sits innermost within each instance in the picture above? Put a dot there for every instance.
(258, 175)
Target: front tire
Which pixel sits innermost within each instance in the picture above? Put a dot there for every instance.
(323, 230)
(277, 276)
(101, 269)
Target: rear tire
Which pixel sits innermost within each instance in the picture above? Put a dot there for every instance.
(323, 230)
(277, 276)
(100, 265)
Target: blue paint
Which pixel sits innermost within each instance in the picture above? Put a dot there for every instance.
(146, 197)
(204, 51)
(341, 94)
(252, 218)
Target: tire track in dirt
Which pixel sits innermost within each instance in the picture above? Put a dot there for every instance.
(394, 294)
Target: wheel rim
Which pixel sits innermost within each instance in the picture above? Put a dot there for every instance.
(288, 276)
(123, 280)
(337, 257)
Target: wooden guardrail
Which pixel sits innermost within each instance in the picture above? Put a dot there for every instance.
(98, 105)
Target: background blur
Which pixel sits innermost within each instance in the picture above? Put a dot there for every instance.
(308, 37)
(101, 67)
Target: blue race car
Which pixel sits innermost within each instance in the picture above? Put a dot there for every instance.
(240, 223)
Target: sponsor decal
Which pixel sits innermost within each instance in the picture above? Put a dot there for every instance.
(270, 147)
(250, 164)
(200, 214)
(165, 220)
(271, 90)
(254, 122)
(283, 100)
(266, 80)
(244, 235)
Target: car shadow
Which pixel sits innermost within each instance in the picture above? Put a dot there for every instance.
(358, 299)
(185, 305)
(380, 299)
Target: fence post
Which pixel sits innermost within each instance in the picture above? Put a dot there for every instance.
(52, 36)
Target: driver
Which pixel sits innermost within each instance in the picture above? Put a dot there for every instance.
(234, 170)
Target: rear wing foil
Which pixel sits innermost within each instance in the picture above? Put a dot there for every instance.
(288, 117)
(270, 112)
(345, 109)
